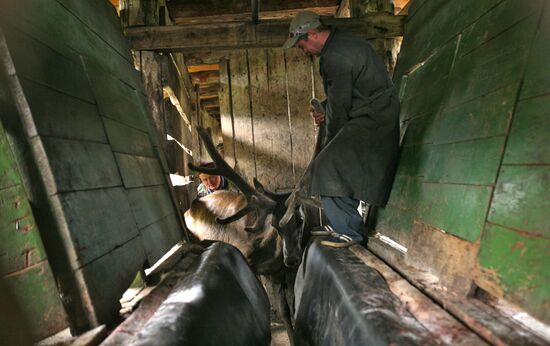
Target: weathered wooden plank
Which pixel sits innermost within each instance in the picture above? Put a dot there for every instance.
(318, 88)
(139, 171)
(270, 116)
(528, 142)
(41, 64)
(300, 91)
(43, 310)
(150, 204)
(521, 199)
(60, 115)
(267, 34)
(22, 245)
(472, 162)
(126, 139)
(485, 116)
(242, 117)
(98, 220)
(226, 113)
(514, 265)
(537, 76)
(80, 165)
(474, 74)
(455, 209)
(160, 236)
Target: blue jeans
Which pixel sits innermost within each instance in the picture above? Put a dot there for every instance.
(343, 216)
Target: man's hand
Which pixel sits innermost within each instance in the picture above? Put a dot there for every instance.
(318, 117)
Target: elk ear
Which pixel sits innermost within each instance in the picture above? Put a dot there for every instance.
(258, 185)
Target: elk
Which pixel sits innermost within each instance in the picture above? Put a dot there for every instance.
(266, 227)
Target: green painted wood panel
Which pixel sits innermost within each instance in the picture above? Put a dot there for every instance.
(414, 160)
(519, 264)
(160, 236)
(521, 199)
(99, 217)
(60, 115)
(80, 165)
(21, 243)
(419, 130)
(41, 64)
(472, 162)
(149, 204)
(537, 77)
(475, 74)
(394, 219)
(405, 192)
(456, 209)
(139, 171)
(529, 141)
(127, 140)
(9, 174)
(39, 300)
(485, 116)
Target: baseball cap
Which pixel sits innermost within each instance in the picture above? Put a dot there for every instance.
(300, 25)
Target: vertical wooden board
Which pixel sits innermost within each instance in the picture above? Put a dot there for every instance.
(515, 265)
(485, 116)
(57, 114)
(21, 245)
(529, 142)
(98, 220)
(226, 116)
(137, 171)
(318, 87)
(39, 300)
(300, 83)
(80, 165)
(126, 139)
(537, 76)
(475, 74)
(38, 62)
(242, 117)
(521, 199)
(471, 162)
(151, 73)
(456, 209)
(159, 237)
(270, 118)
(150, 204)
(109, 276)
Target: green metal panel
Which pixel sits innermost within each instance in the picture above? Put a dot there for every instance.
(150, 204)
(472, 162)
(456, 209)
(158, 237)
(529, 141)
(522, 200)
(128, 140)
(9, 176)
(420, 130)
(519, 264)
(414, 160)
(139, 171)
(537, 77)
(394, 219)
(405, 192)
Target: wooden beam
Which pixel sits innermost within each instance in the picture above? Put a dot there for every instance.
(246, 35)
(203, 68)
(205, 77)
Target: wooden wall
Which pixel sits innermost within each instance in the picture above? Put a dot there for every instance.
(470, 200)
(95, 171)
(264, 103)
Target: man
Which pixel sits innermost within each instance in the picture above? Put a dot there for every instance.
(360, 148)
(210, 183)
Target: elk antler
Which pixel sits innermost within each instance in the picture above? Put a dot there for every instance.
(256, 201)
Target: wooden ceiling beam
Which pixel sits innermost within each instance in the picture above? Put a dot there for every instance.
(246, 35)
(205, 77)
(202, 68)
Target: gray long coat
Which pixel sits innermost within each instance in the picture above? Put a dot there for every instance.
(361, 146)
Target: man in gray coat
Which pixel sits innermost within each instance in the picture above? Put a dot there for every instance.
(360, 148)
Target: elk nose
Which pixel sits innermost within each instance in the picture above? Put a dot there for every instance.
(292, 262)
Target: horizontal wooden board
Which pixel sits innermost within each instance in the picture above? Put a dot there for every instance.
(537, 76)
(36, 288)
(475, 74)
(128, 140)
(80, 165)
(471, 162)
(41, 64)
(456, 209)
(529, 142)
(19, 235)
(521, 199)
(515, 266)
(57, 114)
(98, 220)
(160, 236)
(485, 116)
(150, 204)
(139, 171)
